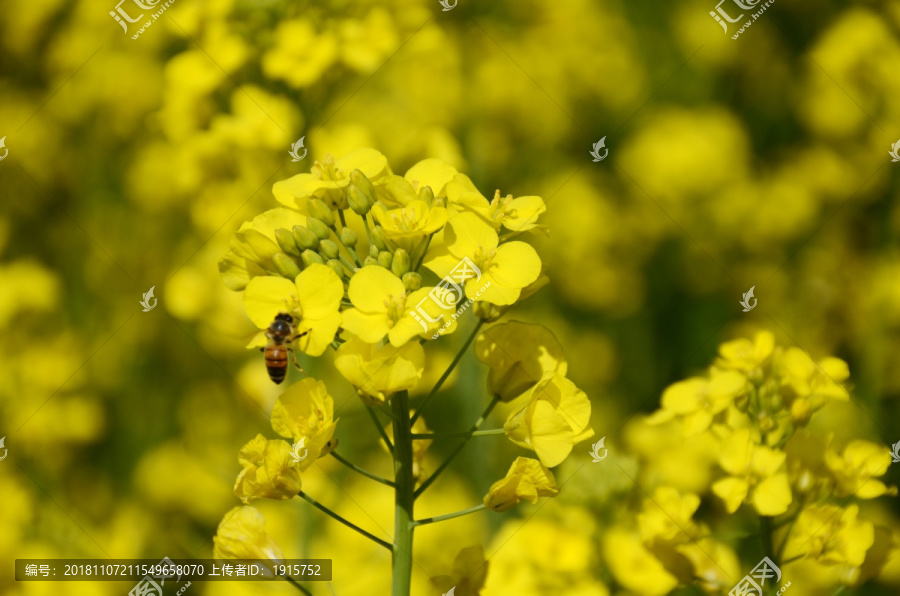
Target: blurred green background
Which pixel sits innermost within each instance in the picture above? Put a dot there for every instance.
(760, 161)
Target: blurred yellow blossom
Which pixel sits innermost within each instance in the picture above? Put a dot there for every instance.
(757, 475)
(526, 480)
(830, 534)
(698, 401)
(242, 535)
(469, 573)
(856, 469)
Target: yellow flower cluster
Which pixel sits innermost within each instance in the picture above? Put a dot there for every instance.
(753, 407)
(349, 257)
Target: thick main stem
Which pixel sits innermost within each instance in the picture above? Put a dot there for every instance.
(403, 491)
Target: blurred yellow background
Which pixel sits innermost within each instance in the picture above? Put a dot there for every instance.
(761, 161)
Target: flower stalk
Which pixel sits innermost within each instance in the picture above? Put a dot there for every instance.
(404, 498)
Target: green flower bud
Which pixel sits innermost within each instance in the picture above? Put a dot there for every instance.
(412, 281)
(426, 194)
(309, 257)
(328, 249)
(385, 259)
(439, 202)
(286, 241)
(304, 238)
(360, 181)
(378, 238)
(373, 252)
(319, 210)
(358, 200)
(285, 265)
(370, 261)
(337, 267)
(349, 237)
(318, 228)
(400, 264)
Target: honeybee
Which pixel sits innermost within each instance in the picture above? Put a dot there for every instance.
(280, 334)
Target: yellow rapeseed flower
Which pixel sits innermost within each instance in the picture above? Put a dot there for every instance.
(505, 268)
(270, 471)
(382, 307)
(306, 410)
(313, 299)
(520, 356)
(745, 355)
(697, 401)
(378, 373)
(329, 179)
(553, 421)
(407, 227)
(242, 535)
(469, 573)
(526, 480)
(757, 475)
(253, 246)
(856, 469)
(831, 535)
(634, 566)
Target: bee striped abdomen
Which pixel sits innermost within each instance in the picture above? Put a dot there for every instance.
(276, 362)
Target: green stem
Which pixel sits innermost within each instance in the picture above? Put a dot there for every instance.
(365, 219)
(341, 216)
(292, 581)
(463, 433)
(404, 497)
(359, 470)
(380, 428)
(456, 359)
(334, 515)
(458, 448)
(431, 520)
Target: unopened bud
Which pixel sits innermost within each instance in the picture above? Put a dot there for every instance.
(385, 259)
(400, 264)
(362, 182)
(309, 257)
(373, 251)
(318, 228)
(349, 237)
(426, 194)
(412, 281)
(285, 265)
(358, 201)
(337, 267)
(285, 240)
(304, 238)
(328, 249)
(370, 261)
(378, 238)
(321, 211)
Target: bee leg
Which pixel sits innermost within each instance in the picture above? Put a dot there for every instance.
(300, 335)
(297, 364)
